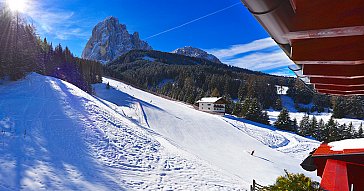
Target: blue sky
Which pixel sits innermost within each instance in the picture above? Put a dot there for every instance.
(232, 34)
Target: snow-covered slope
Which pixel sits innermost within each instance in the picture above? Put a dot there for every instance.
(56, 137)
(223, 141)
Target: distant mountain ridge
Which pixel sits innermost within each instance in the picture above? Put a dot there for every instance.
(196, 52)
(110, 39)
(156, 56)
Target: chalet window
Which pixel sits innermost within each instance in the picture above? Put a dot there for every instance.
(209, 104)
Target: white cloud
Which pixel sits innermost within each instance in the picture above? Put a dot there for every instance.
(260, 55)
(234, 50)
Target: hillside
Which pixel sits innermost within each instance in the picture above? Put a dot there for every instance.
(129, 139)
(69, 140)
(188, 79)
(215, 139)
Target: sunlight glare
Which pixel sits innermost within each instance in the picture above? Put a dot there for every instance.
(17, 5)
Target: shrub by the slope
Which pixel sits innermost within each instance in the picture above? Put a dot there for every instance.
(297, 182)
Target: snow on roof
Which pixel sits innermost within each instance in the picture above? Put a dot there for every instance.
(209, 99)
(347, 144)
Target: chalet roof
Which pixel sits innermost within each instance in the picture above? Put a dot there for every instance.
(347, 144)
(343, 147)
(209, 99)
(323, 37)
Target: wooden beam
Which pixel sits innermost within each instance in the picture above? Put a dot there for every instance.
(293, 5)
(355, 62)
(335, 176)
(338, 81)
(339, 88)
(326, 14)
(326, 33)
(335, 92)
(349, 48)
(334, 70)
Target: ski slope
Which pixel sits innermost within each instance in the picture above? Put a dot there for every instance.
(223, 141)
(54, 136)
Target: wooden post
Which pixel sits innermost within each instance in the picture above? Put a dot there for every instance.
(335, 177)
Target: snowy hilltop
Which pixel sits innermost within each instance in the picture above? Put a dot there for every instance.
(110, 39)
(196, 52)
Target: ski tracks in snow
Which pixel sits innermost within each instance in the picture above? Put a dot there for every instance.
(285, 142)
(146, 162)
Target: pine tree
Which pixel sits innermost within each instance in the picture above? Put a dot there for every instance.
(305, 126)
(330, 132)
(264, 118)
(245, 106)
(349, 132)
(314, 126)
(215, 93)
(344, 131)
(236, 109)
(339, 108)
(278, 105)
(360, 131)
(284, 122)
(319, 132)
(241, 92)
(252, 110)
(295, 125)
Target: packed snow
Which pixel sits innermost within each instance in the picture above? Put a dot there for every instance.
(150, 59)
(57, 137)
(209, 100)
(347, 144)
(225, 142)
(54, 136)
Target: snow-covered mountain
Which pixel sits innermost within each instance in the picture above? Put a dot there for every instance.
(57, 137)
(110, 39)
(196, 52)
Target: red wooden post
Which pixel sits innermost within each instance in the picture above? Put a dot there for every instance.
(335, 176)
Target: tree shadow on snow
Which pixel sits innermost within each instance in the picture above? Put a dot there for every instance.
(118, 97)
(53, 146)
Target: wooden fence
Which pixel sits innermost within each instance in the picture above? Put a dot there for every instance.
(257, 187)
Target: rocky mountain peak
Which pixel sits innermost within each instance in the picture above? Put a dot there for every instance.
(110, 39)
(196, 52)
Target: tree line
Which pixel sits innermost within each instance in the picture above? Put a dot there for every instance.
(22, 51)
(318, 129)
(189, 79)
(340, 106)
